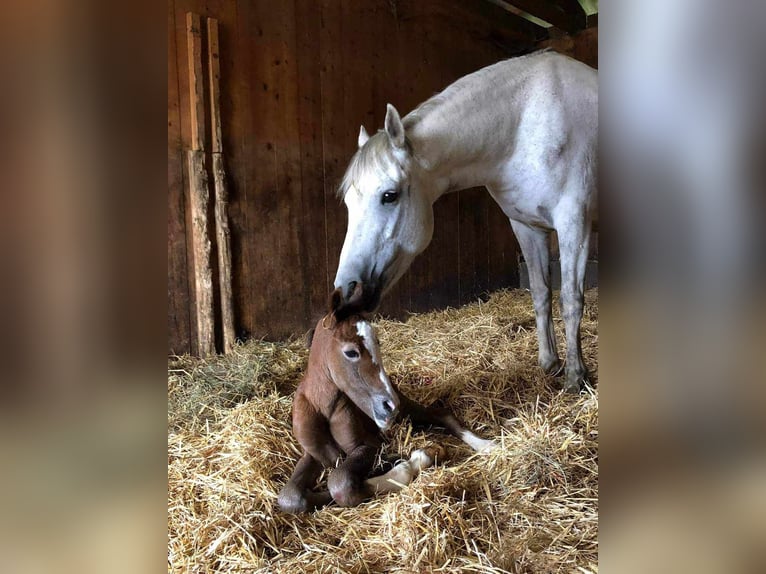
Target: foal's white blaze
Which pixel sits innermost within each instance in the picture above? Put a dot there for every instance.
(476, 443)
(367, 333)
(370, 340)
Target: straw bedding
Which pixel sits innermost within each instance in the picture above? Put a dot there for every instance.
(529, 506)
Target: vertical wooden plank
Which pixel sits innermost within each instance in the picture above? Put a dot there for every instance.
(318, 282)
(222, 231)
(236, 104)
(503, 251)
(214, 70)
(198, 193)
(196, 88)
(336, 147)
(178, 286)
(277, 282)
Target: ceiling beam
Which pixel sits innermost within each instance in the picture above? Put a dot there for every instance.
(493, 11)
(548, 12)
(574, 9)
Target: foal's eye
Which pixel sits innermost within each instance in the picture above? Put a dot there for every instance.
(351, 353)
(389, 197)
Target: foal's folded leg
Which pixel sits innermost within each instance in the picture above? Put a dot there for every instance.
(346, 483)
(404, 472)
(296, 496)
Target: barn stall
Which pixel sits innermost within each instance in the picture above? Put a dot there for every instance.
(294, 81)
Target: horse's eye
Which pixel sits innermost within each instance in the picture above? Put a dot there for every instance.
(389, 197)
(351, 353)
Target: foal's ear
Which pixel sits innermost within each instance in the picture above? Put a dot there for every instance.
(336, 300)
(394, 127)
(363, 137)
(340, 309)
(310, 337)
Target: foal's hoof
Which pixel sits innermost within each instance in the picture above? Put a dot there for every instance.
(425, 457)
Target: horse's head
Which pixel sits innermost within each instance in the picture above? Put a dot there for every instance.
(348, 347)
(390, 212)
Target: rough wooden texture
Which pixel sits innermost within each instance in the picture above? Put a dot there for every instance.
(297, 78)
(197, 109)
(198, 194)
(179, 326)
(203, 277)
(222, 231)
(223, 244)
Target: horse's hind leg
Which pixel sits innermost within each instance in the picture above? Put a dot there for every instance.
(296, 496)
(574, 239)
(534, 246)
(439, 417)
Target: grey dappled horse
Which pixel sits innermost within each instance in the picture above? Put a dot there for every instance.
(525, 128)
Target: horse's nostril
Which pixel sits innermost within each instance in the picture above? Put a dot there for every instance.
(389, 406)
(351, 287)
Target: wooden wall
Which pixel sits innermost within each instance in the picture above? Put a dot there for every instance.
(297, 79)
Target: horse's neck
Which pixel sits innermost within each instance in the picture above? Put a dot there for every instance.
(454, 158)
(462, 135)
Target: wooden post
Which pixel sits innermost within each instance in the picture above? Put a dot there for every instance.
(221, 193)
(198, 193)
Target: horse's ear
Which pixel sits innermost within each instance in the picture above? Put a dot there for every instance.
(363, 136)
(394, 127)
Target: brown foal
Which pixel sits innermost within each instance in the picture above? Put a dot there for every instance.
(340, 408)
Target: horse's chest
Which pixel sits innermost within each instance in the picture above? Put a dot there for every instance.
(351, 428)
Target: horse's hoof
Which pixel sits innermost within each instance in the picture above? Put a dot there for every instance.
(573, 385)
(552, 368)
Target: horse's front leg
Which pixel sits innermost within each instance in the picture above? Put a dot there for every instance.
(404, 472)
(574, 239)
(534, 247)
(347, 482)
(296, 496)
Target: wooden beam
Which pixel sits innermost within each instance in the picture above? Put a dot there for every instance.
(197, 102)
(222, 231)
(505, 21)
(198, 193)
(574, 10)
(548, 12)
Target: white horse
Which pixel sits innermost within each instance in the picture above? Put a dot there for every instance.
(525, 128)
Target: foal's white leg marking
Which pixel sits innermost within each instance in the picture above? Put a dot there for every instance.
(476, 443)
(404, 472)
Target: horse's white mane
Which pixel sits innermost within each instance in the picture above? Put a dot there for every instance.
(376, 154)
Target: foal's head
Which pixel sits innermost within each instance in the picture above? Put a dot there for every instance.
(347, 346)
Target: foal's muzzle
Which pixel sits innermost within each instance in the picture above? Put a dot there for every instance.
(384, 411)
